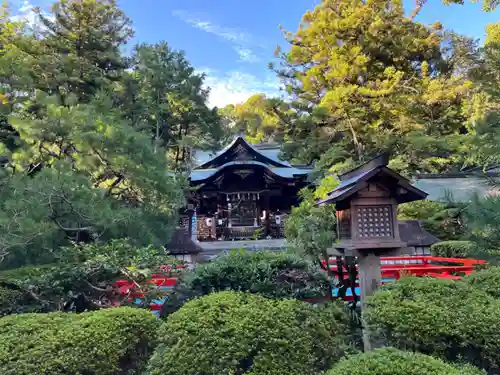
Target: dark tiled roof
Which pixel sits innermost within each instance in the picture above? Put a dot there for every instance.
(413, 233)
(356, 179)
(285, 172)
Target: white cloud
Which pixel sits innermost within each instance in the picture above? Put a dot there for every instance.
(242, 42)
(25, 12)
(247, 55)
(236, 87)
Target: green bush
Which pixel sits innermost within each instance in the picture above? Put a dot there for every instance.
(454, 249)
(107, 342)
(488, 280)
(444, 220)
(271, 274)
(10, 300)
(443, 318)
(390, 361)
(243, 333)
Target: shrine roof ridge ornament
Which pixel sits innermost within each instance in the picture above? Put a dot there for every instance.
(375, 169)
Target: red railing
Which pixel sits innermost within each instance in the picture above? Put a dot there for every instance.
(391, 268)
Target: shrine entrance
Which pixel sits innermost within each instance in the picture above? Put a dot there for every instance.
(242, 210)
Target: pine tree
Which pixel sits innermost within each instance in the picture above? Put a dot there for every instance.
(78, 49)
(165, 97)
(366, 79)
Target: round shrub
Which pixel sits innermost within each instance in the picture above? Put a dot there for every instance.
(242, 333)
(453, 249)
(13, 300)
(390, 361)
(487, 280)
(443, 318)
(107, 342)
(271, 274)
(9, 300)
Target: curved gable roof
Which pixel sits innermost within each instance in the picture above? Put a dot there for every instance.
(240, 146)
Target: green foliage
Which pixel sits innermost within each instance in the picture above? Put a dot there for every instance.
(270, 274)
(390, 361)
(419, 209)
(79, 51)
(443, 219)
(365, 79)
(109, 342)
(443, 318)
(164, 97)
(83, 276)
(105, 181)
(242, 333)
(482, 216)
(259, 118)
(310, 229)
(14, 300)
(454, 249)
(487, 280)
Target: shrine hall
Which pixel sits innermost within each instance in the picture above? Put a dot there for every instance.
(244, 191)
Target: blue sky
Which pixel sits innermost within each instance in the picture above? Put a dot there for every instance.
(232, 41)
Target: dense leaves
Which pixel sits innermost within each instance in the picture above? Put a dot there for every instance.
(391, 361)
(454, 249)
(259, 118)
(310, 229)
(380, 84)
(443, 219)
(243, 333)
(165, 97)
(99, 179)
(108, 342)
(443, 318)
(487, 280)
(81, 277)
(270, 274)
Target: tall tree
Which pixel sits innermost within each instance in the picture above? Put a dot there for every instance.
(256, 118)
(366, 79)
(77, 50)
(165, 97)
(484, 126)
(100, 180)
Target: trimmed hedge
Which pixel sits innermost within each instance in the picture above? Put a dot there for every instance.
(107, 342)
(242, 333)
(443, 318)
(390, 361)
(454, 249)
(270, 274)
(487, 280)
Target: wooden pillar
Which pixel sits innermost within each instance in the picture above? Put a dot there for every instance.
(369, 281)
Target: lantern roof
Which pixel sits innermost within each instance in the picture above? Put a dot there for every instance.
(374, 171)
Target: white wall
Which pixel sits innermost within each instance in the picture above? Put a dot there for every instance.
(461, 187)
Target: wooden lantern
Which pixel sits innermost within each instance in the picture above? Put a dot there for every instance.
(366, 200)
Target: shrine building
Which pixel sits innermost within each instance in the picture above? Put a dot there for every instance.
(244, 191)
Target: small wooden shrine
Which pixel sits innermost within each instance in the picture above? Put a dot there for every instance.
(244, 191)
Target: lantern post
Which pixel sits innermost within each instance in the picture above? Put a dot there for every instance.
(366, 202)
